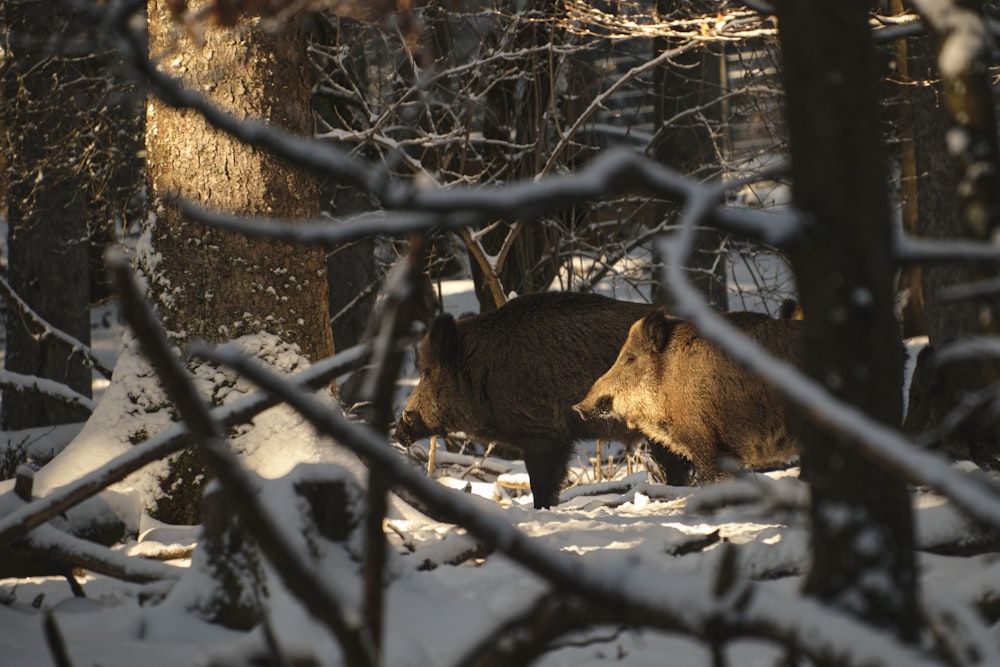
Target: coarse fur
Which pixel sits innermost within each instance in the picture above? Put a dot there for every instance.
(683, 392)
(512, 375)
(952, 407)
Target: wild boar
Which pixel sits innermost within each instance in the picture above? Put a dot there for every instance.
(952, 407)
(684, 393)
(512, 375)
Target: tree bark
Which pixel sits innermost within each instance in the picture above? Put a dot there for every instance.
(959, 194)
(907, 100)
(862, 533)
(215, 285)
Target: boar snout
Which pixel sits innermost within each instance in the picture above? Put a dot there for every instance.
(590, 408)
(411, 427)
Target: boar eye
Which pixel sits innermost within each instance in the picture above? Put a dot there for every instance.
(630, 359)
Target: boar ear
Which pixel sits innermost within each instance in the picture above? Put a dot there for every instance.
(443, 338)
(657, 329)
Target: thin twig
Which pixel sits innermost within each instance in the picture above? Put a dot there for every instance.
(400, 309)
(55, 641)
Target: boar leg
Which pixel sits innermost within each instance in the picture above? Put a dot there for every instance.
(547, 463)
(676, 469)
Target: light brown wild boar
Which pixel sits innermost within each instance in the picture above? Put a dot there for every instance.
(684, 393)
(512, 375)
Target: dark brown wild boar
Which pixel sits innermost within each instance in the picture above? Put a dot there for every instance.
(512, 375)
(684, 393)
(952, 407)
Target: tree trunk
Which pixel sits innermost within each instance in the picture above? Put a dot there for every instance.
(959, 193)
(354, 276)
(217, 285)
(862, 533)
(214, 285)
(51, 86)
(685, 91)
(515, 112)
(907, 101)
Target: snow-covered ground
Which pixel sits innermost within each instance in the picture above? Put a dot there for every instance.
(666, 540)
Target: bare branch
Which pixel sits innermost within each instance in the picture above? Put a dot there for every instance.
(490, 273)
(55, 641)
(400, 309)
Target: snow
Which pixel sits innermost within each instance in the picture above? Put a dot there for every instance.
(662, 545)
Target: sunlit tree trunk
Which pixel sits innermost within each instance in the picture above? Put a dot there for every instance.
(862, 532)
(216, 285)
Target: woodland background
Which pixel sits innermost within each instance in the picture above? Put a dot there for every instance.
(304, 179)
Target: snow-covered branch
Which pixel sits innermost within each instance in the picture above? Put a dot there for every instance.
(51, 543)
(914, 250)
(17, 382)
(885, 445)
(19, 522)
(611, 174)
(45, 330)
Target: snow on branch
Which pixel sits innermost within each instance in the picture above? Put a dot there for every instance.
(18, 523)
(613, 173)
(641, 594)
(913, 250)
(274, 536)
(33, 320)
(51, 543)
(56, 390)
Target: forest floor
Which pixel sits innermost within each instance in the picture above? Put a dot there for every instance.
(663, 539)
